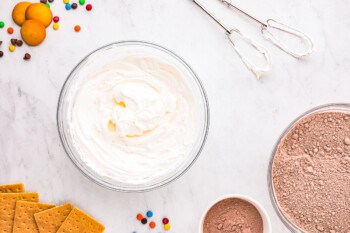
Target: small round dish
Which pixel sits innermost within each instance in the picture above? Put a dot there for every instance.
(267, 228)
(92, 63)
(335, 107)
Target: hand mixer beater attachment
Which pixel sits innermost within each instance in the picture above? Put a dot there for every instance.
(267, 28)
(234, 32)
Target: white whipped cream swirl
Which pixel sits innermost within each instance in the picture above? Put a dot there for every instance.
(135, 120)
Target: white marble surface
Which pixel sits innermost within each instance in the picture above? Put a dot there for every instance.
(247, 116)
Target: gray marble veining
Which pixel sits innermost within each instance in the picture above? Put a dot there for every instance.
(247, 115)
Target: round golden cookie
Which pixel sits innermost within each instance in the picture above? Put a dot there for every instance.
(40, 12)
(19, 12)
(33, 32)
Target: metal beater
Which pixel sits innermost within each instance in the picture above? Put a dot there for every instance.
(230, 32)
(266, 31)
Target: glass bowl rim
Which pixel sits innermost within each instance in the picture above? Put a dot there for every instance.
(292, 227)
(204, 129)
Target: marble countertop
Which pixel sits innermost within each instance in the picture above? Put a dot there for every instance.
(247, 116)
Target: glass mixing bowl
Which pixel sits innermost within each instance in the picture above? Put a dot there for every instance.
(336, 107)
(99, 58)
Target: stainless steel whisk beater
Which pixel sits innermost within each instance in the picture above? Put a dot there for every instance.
(266, 31)
(258, 71)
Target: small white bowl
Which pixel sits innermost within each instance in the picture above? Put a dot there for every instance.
(266, 219)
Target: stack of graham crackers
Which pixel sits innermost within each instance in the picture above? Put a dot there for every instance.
(21, 212)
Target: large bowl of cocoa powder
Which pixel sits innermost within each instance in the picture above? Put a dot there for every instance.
(309, 173)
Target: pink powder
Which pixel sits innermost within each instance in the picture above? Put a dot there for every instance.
(233, 215)
(311, 173)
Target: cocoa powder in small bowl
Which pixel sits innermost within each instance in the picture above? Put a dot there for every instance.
(235, 214)
(311, 172)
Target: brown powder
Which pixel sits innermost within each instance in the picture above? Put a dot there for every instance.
(233, 215)
(311, 173)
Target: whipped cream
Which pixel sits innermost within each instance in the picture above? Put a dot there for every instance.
(135, 120)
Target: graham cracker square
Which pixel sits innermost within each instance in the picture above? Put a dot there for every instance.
(7, 208)
(79, 222)
(49, 221)
(12, 188)
(24, 221)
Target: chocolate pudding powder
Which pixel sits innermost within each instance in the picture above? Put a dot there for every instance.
(311, 173)
(233, 215)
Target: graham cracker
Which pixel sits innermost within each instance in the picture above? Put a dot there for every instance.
(7, 208)
(49, 221)
(12, 188)
(24, 221)
(79, 222)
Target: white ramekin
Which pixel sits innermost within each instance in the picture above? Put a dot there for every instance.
(262, 211)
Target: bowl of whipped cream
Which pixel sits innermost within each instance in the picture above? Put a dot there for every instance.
(133, 116)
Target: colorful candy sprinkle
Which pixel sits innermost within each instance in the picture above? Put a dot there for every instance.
(27, 56)
(66, 1)
(12, 48)
(167, 227)
(149, 214)
(1, 53)
(13, 41)
(139, 217)
(152, 225)
(77, 28)
(81, 2)
(2, 24)
(144, 221)
(56, 19)
(56, 26)
(48, 5)
(10, 30)
(19, 43)
(165, 221)
(89, 7)
(74, 6)
(68, 6)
